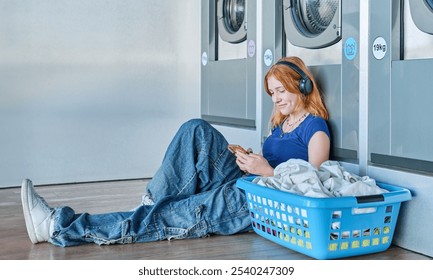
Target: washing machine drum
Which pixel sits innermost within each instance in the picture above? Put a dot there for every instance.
(312, 23)
(231, 15)
(422, 14)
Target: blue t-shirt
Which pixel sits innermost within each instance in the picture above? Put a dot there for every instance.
(279, 147)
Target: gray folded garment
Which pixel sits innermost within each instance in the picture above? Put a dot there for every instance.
(330, 180)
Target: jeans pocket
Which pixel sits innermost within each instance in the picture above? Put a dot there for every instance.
(235, 200)
(181, 221)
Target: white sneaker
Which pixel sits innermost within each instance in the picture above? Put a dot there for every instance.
(37, 214)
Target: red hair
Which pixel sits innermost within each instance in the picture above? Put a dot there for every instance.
(289, 78)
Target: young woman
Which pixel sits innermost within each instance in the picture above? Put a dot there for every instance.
(194, 193)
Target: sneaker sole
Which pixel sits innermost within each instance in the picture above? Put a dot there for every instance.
(27, 217)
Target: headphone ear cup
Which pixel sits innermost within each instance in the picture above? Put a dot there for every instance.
(305, 86)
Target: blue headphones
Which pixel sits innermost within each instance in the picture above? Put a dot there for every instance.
(305, 84)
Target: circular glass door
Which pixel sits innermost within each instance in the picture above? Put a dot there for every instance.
(312, 23)
(422, 14)
(231, 16)
(429, 4)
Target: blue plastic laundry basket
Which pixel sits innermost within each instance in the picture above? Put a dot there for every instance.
(325, 228)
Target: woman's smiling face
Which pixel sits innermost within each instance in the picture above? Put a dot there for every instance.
(284, 101)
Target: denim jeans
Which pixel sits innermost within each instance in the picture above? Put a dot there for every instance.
(194, 192)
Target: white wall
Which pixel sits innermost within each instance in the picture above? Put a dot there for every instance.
(94, 90)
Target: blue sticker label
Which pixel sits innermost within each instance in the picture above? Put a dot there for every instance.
(350, 48)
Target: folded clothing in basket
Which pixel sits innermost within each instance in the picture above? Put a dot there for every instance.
(330, 180)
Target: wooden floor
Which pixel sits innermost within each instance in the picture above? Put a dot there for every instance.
(124, 195)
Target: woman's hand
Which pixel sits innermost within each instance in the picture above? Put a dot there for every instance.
(254, 164)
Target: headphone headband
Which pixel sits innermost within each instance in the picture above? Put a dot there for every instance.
(305, 84)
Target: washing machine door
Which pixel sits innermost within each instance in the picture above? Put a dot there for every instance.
(422, 14)
(312, 24)
(232, 20)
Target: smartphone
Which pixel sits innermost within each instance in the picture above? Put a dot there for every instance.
(236, 148)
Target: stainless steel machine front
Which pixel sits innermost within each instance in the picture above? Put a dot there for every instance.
(228, 71)
(325, 34)
(399, 110)
(401, 63)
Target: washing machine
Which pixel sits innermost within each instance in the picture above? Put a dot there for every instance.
(325, 34)
(234, 33)
(399, 111)
(401, 63)
(228, 66)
